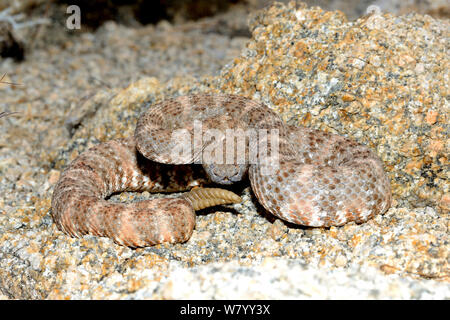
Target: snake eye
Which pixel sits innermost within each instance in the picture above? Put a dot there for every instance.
(225, 173)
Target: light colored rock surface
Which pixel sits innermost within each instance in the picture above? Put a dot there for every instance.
(238, 251)
(381, 79)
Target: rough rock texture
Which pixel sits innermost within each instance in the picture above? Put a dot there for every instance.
(382, 79)
(352, 8)
(385, 87)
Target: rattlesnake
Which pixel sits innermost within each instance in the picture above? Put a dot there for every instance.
(320, 179)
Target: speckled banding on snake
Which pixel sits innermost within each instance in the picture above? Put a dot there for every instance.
(79, 206)
(322, 180)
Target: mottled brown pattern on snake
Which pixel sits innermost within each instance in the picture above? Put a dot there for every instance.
(323, 179)
(79, 206)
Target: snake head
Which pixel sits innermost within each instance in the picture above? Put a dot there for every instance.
(225, 173)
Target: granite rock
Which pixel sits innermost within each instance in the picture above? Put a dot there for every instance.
(381, 79)
(313, 67)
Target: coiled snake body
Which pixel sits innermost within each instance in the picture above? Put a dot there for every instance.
(320, 179)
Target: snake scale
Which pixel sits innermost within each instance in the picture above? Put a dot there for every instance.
(320, 179)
